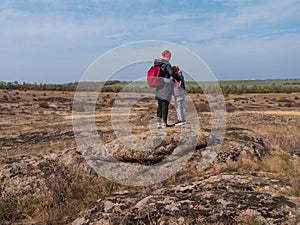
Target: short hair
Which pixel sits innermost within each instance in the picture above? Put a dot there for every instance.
(165, 52)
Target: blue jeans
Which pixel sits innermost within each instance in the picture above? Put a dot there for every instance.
(180, 107)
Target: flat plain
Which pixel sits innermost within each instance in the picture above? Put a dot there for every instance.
(39, 123)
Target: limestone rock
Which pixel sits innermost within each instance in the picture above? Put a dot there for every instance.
(242, 143)
(217, 199)
(35, 176)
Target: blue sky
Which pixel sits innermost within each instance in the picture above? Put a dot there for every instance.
(56, 40)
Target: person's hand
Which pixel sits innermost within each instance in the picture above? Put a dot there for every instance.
(179, 83)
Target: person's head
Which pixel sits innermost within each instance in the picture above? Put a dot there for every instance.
(166, 54)
(176, 69)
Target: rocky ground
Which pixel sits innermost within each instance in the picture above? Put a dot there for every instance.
(235, 198)
(47, 179)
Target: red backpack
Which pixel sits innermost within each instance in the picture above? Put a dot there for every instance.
(152, 76)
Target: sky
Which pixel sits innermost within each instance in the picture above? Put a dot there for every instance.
(55, 41)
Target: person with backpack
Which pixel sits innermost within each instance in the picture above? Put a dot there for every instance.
(179, 94)
(164, 92)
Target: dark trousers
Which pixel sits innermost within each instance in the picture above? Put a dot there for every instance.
(162, 110)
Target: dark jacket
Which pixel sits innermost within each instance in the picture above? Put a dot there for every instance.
(166, 69)
(165, 91)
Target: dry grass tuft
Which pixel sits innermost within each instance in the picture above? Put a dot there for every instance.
(59, 208)
(279, 165)
(43, 104)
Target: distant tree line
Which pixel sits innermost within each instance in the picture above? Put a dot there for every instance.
(240, 89)
(86, 86)
(38, 86)
(117, 86)
(226, 89)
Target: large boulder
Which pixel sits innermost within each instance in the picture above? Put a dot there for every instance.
(28, 177)
(237, 145)
(35, 176)
(237, 198)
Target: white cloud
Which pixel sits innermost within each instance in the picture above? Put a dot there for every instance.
(244, 33)
(247, 58)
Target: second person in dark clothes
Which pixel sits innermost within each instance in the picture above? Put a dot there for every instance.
(164, 93)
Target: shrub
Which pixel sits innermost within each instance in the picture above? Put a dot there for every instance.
(279, 99)
(288, 104)
(111, 102)
(43, 104)
(7, 210)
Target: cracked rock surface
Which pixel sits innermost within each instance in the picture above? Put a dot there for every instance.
(237, 198)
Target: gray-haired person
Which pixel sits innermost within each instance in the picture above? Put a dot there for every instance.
(163, 94)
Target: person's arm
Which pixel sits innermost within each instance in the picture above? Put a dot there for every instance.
(182, 80)
(170, 71)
